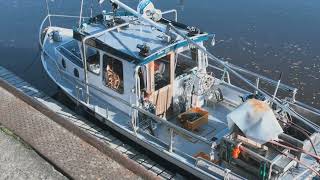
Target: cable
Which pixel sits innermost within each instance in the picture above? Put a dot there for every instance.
(35, 59)
(298, 161)
(289, 116)
(296, 149)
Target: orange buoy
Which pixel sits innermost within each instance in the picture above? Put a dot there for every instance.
(236, 151)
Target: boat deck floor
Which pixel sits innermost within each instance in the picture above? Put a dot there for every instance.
(213, 130)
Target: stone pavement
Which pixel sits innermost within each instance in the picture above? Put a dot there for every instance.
(18, 161)
(69, 153)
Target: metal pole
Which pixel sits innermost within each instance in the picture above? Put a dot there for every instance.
(48, 12)
(171, 140)
(80, 17)
(257, 84)
(178, 130)
(91, 8)
(276, 90)
(172, 11)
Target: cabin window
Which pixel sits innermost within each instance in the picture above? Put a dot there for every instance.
(113, 73)
(63, 62)
(93, 61)
(161, 73)
(76, 72)
(184, 63)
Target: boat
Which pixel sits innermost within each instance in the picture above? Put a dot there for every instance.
(153, 80)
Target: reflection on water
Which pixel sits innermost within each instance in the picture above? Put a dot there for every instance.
(267, 37)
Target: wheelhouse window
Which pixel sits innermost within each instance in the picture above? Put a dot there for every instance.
(161, 73)
(113, 73)
(185, 61)
(93, 60)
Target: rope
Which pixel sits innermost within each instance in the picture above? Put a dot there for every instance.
(303, 131)
(35, 59)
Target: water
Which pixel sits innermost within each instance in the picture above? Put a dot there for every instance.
(267, 37)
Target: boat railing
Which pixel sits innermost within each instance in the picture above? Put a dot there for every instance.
(258, 78)
(174, 11)
(307, 108)
(48, 19)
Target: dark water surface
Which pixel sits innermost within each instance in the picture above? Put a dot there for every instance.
(267, 37)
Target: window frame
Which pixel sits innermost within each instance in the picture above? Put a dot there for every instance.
(100, 53)
(167, 66)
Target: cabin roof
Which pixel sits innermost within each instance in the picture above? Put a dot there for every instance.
(123, 43)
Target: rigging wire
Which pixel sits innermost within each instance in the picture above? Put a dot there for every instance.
(301, 128)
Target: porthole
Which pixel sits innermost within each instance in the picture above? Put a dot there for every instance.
(76, 72)
(63, 62)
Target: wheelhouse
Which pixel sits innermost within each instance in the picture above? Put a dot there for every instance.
(132, 61)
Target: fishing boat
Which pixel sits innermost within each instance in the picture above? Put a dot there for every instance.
(153, 80)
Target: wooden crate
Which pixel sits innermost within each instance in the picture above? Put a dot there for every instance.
(195, 124)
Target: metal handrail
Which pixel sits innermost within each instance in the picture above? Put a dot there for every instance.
(307, 107)
(53, 15)
(174, 11)
(176, 128)
(268, 80)
(252, 74)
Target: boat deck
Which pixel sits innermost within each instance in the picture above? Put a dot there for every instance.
(215, 128)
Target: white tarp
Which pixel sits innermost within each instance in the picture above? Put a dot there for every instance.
(256, 120)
